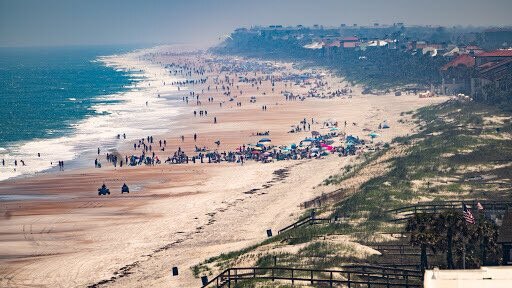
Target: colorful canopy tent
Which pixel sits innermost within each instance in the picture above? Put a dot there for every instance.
(352, 140)
(373, 135)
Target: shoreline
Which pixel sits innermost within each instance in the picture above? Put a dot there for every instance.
(70, 147)
(180, 215)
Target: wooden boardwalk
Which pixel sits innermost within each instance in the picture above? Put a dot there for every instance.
(306, 220)
(349, 276)
(406, 212)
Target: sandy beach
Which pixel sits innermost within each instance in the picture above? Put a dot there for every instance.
(56, 231)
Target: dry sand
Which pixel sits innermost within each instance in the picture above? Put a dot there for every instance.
(178, 215)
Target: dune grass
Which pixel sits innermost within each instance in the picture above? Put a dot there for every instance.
(453, 136)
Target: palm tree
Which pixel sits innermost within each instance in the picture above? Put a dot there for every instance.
(423, 234)
(487, 232)
(450, 223)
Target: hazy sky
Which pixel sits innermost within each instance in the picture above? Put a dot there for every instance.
(70, 22)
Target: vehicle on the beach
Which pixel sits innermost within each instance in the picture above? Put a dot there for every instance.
(125, 189)
(103, 190)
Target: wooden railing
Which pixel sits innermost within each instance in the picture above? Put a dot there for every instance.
(407, 212)
(350, 276)
(327, 198)
(306, 220)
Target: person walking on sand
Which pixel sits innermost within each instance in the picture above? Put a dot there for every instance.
(182, 138)
(214, 120)
(195, 137)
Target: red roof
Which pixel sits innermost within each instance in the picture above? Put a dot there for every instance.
(497, 53)
(350, 39)
(496, 65)
(333, 44)
(464, 59)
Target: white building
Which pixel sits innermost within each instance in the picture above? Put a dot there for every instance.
(485, 277)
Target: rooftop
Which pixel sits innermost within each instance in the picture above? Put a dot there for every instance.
(497, 53)
(464, 59)
(350, 39)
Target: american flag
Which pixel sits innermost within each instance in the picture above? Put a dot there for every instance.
(468, 216)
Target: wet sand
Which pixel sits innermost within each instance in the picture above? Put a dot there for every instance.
(179, 215)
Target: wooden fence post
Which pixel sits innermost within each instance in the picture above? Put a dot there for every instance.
(229, 278)
(348, 279)
(292, 278)
(330, 280)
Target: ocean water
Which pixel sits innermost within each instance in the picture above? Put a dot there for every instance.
(43, 91)
(64, 102)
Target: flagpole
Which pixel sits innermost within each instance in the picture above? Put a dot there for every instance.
(463, 254)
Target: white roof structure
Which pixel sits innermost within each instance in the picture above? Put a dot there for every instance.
(314, 45)
(485, 277)
(379, 43)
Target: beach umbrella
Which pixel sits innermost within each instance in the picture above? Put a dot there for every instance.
(315, 133)
(334, 129)
(373, 135)
(265, 140)
(385, 126)
(293, 146)
(257, 148)
(315, 149)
